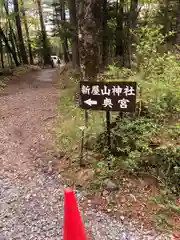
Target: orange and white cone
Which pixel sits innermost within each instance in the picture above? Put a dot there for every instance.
(73, 226)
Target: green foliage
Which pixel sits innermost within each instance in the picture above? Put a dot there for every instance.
(118, 73)
(167, 21)
(161, 221)
(133, 135)
(149, 141)
(2, 84)
(174, 131)
(160, 72)
(133, 149)
(165, 162)
(71, 122)
(168, 205)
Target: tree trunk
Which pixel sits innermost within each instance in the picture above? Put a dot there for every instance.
(90, 26)
(166, 17)
(65, 41)
(46, 48)
(2, 35)
(27, 32)
(14, 43)
(12, 35)
(119, 29)
(58, 26)
(20, 35)
(178, 25)
(75, 42)
(104, 35)
(133, 14)
(2, 54)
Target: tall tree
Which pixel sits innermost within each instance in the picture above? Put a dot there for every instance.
(104, 30)
(11, 51)
(61, 28)
(45, 43)
(12, 35)
(27, 32)
(74, 27)
(56, 22)
(1, 53)
(166, 6)
(63, 20)
(178, 23)
(89, 16)
(130, 24)
(119, 28)
(19, 31)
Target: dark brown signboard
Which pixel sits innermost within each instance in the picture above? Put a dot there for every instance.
(112, 96)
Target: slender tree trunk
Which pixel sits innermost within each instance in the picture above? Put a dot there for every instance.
(178, 25)
(2, 54)
(20, 35)
(65, 40)
(27, 32)
(12, 35)
(56, 19)
(2, 35)
(46, 48)
(133, 14)
(90, 26)
(14, 44)
(166, 6)
(11, 60)
(104, 35)
(75, 42)
(120, 29)
(132, 22)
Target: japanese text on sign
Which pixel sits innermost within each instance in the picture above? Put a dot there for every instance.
(115, 90)
(115, 96)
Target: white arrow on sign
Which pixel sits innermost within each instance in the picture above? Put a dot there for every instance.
(90, 102)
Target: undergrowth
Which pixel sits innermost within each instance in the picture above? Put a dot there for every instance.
(71, 122)
(143, 144)
(7, 73)
(149, 140)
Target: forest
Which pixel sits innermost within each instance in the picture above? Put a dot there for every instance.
(33, 30)
(110, 40)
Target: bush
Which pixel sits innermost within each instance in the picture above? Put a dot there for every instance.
(149, 141)
(136, 147)
(71, 121)
(159, 74)
(164, 162)
(130, 135)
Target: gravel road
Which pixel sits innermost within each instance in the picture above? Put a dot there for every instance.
(31, 197)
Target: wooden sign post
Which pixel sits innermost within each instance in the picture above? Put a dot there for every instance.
(108, 96)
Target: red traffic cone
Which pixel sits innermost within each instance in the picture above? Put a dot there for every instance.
(73, 226)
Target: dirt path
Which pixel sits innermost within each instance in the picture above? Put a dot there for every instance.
(26, 115)
(26, 194)
(31, 196)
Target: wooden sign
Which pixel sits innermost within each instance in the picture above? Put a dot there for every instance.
(108, 96)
